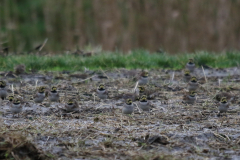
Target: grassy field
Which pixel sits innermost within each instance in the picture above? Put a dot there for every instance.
(109, 60)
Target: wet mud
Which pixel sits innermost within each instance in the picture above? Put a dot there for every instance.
(171, 130)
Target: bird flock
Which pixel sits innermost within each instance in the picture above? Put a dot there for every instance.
(140, 95)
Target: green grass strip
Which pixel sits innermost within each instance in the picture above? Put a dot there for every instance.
(140, 59)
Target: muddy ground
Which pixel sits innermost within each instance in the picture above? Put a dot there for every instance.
(172, 130)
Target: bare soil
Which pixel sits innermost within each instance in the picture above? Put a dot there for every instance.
(171, 130)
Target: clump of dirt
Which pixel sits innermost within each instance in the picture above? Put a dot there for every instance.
(15, 145)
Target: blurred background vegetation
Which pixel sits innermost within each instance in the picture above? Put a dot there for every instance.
(173, 25)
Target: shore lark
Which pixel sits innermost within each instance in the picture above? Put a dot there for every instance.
(223, 105)
(16, 106)
(140, 90)
(71, 105)
(144, 103)
(143, 78)
(40, 95)
(190, 98)
(102, 93)
(150, 93)
(186, 76)
(190, 65)
(53, 95)
(10, 99)
(128, 107)
(133, 96)
(3, 90)
(228, 96)
(193, 84)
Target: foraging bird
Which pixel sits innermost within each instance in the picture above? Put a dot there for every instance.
(53, 95)
(228, 96)
(20, 69)
(223, 105)
(139, 92)
(144, 103)
(143, 78)
(16, 106)
(193, 84)
(190, 98)
(128, 107)
(3, 90)
(186, 76)
(71, 105)
(102, 93)
(133, 96)
(150, 93)
(10, 99)
(190, 65)
(40, 95)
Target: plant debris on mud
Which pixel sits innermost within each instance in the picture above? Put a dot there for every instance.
(171, 130)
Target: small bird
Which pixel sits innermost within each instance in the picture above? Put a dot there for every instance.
(53, 95)
(3, 90)
(10, 98)
(190, 65)
(223, 105)
(228, 96)
(128, 107)
(144, 103)
(140, 91)
(20, 69)
(133, 96)
(150, 93)
(102, 93)
(40, 95)
(143, 78)
(193, 84)
(186, 76)
(16, 106)
(71, 105)
(190, 98)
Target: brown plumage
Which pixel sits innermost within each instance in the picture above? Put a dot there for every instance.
(143, 78)
(186, 76)
(71, 105)
(150, 93)
(190, 97)
(223, 105)
(16, 106)
(53, 95)
(133, 96)
(190, 65)
(40, 95)
(193, 84)
(20, 69)
(227, 95)
(3, 90)
(102, 93)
